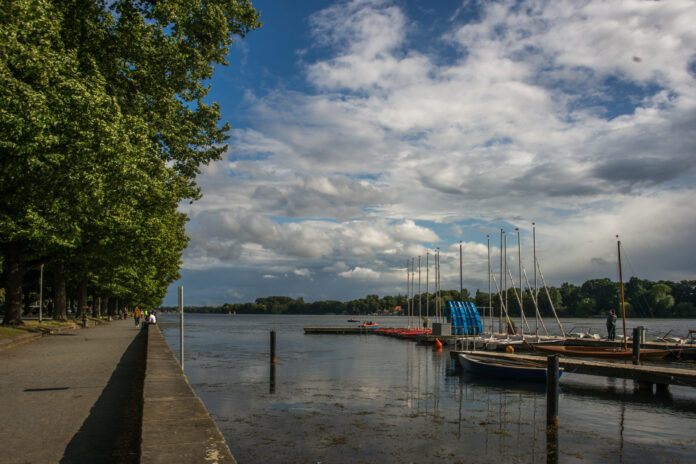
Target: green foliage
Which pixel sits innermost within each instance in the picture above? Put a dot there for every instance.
(581, 302)
(104, 131)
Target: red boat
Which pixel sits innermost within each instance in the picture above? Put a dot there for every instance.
(368, 324)
(413, 333)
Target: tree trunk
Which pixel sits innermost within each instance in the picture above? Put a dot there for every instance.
(111, 308)
(104, 306)
(59, 300)
(14, 274)
(82, 297)
(26, 300)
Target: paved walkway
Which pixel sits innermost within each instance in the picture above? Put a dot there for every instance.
(74, 397)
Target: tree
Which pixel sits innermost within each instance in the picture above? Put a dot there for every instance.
(59, 124)
(100, 100)
(603, 292)
(660, 298)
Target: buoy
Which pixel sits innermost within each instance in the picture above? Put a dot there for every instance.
(438, 345)
(509, 349)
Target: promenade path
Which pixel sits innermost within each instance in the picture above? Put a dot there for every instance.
(74, 397)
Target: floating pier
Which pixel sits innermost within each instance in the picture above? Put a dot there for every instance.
(340, 330)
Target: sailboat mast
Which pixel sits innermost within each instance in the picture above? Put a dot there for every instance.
(536, 291)
(623, 305)
(413, 291)
(461, 285)
(519, 265)
(500, 313)
(419, 289)
(505, 284)
(490, 305)
(408, 294)
(427, 283)
(439, 303)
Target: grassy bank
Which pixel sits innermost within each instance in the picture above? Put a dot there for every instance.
(34, 326)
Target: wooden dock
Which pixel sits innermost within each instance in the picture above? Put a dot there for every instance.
(340, 330)
(645, 376)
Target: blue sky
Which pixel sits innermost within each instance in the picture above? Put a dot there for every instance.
(368, 132)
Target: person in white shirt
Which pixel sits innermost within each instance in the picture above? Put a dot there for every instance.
(152, 319)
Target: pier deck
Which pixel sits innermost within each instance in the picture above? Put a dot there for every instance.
(340, 330)
(646, 375)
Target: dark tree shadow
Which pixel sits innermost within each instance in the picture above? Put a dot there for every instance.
(111, 433)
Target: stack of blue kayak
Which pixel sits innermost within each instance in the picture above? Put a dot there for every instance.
(464, 317)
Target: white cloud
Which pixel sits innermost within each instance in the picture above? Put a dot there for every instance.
(302, 272)
(579, 115)
(360, 273)
(336, 267)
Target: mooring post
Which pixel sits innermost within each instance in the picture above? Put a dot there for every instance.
(552, 390)
(636, 345)
(552, 444)
(273, 347)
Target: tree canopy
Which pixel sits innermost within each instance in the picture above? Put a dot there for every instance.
(643, 299)
(104, 130)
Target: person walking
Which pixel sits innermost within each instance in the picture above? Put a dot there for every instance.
(136, 316)
(611, 325)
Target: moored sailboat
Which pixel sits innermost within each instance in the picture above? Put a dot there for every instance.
(603, 352)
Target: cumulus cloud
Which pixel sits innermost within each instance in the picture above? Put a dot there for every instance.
(302, 272)
(360, 273)
(581, 115)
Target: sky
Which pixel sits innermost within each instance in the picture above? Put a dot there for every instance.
(368, 132)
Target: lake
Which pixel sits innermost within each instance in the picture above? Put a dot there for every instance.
(373, 399)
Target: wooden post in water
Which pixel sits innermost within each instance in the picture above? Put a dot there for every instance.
(552, 391)
(273, 348)
(636, 345)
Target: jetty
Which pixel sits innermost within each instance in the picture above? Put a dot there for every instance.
(340, 330)
(646, 376)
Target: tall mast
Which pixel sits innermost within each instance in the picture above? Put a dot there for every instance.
(500, 295)
(413, 287)
(439, 303)
(419, 289)
(427, 282)
(536, 317)
(505, 286)
(519, 265)
(623, 306)
(461, 285)
(408, 292)
(490, 305)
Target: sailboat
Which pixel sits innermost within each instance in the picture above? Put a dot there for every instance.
(603, 352)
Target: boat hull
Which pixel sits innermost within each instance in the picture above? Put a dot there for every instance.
(521, 371)
(597, 352)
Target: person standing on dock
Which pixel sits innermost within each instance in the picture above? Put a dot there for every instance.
(611, 325)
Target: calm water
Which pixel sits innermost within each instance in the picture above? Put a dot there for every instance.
(372, 399)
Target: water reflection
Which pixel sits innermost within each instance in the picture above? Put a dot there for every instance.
(552, 444)
(368, 399)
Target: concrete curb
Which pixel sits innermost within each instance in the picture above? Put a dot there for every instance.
(176, 425)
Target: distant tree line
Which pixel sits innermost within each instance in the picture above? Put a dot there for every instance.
(104, 131)
(643, 298)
